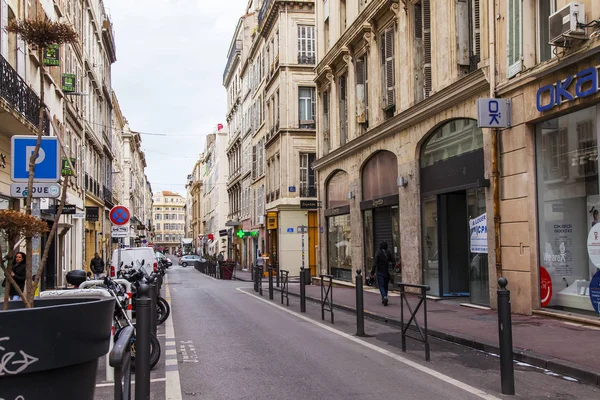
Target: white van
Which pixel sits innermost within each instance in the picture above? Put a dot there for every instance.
(129, 256)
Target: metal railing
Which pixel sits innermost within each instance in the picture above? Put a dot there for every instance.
(326, 296)
(17, 93)
(308, 191)
(284, 286)
(423, 338)
(120, 360)
(307, 60)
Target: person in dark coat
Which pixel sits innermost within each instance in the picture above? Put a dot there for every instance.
(97, 266)
(19, 274)
(381, 263)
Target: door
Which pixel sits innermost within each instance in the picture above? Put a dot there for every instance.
(382, 227)
(454, 244)
(478, 265)
(313, 241)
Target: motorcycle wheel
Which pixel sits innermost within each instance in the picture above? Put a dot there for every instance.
(154, 349)
(163, 310)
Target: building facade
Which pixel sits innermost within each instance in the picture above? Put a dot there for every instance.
(400, 158)
(273, 193)
(194, 211)
(168, 211)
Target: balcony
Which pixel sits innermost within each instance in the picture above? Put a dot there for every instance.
(108, 197)
(236, 50)
(308, 191)
(306, 60)
(15, 91)
(307, 124)
(263, 11)
(92, 186)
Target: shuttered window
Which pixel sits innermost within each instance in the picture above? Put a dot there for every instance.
(306, 44)
(343, 110)
(515, 37)
(3, 30)
(425, 8)
(326, 115)
(362, 100)
(388, 68)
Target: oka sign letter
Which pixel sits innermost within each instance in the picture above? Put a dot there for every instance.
(47, 163)
(584, 83)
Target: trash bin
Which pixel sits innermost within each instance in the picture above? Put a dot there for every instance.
(227, 271)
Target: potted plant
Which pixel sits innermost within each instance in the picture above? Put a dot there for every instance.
(43, 341)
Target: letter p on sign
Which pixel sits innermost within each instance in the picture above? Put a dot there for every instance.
(29, 150)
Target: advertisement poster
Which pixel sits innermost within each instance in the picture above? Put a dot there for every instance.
(478, 229)
(595, 292)
(561, 256)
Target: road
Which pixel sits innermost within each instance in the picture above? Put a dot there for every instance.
(228, 343)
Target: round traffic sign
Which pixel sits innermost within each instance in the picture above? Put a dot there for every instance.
(119, 215)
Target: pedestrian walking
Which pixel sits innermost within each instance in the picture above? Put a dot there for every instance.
(381, 266)
(97, 266)
(19, 275)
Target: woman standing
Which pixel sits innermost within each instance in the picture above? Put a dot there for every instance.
(19, 274)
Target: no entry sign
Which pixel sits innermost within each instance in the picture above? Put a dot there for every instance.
(119, 215)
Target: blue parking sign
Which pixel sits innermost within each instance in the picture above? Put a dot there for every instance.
(47, 165)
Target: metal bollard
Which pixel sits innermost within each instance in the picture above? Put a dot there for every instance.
(507, 372)
(302, 291)
(270, 283)
(255, 278)
(142, 343)
(360, 312)
(153, 298)
(277, 271)
(260, 276)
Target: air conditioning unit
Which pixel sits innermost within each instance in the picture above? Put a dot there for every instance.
(564, 24)
(261, 219)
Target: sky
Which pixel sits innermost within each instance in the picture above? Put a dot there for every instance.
(168, 77)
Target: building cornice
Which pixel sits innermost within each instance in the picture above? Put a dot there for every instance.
(455, 93)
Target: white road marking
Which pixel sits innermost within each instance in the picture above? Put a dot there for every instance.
(399, 358)
(111, 384)
(173, 383)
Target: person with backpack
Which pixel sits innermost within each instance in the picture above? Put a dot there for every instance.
(381, 265)
(97, 266)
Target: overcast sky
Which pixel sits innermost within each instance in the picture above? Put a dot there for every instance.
(168, 77)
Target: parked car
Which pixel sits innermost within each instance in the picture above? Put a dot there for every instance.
(184, 261)
(129, 256)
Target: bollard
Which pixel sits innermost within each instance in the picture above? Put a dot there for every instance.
(142, 343)
(255, 278)
(260, 276)
(507, 372)
(277, 273)
(270, 283)
(153, 298)
(302, 291)
(360, 312)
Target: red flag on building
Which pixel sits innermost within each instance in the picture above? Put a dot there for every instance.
(219, 127)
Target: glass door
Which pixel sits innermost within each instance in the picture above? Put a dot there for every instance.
(431, 271)
(478, 266)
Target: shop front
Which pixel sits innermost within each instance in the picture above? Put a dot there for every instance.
(339, 230)
(453, 207)
(380, 208)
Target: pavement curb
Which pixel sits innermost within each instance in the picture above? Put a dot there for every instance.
(522, 355)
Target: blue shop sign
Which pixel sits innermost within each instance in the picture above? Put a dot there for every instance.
(582, 84)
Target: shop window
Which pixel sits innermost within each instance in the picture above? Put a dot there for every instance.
(338, 247)
(337, 190)
(461, 136)
(568, 209)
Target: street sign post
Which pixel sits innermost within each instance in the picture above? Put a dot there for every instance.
(47, 163)
(40, 190)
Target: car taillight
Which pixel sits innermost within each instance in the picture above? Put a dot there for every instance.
(112, 271)
(155, 266)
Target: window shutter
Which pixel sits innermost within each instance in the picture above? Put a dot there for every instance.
(390, 78)
(3, 31)
(476, 30)
(21, 57)
(426, 47)
(326, 115)
(361, 114)
(313, 104)
(514, 41)
(463, 53)
(253, 161)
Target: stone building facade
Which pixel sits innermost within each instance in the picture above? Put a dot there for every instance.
(168, 211)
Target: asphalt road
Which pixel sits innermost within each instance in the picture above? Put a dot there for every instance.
(232, 344)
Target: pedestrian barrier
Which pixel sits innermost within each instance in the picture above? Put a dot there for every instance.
(270, 283)
(302, 291)
(284, 286)
(413, 316)
(120, 360)
(360, 312)
(507, 371)
(326, 296)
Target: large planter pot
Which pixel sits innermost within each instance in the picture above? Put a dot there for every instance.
(51, 351)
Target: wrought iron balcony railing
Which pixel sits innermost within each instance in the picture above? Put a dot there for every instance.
(107, 196)
(308, 60)
(308, 191)
(16, 92)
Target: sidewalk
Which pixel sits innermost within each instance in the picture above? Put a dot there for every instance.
(560, 346)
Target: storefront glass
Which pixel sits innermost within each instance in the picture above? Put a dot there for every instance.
(338, 247)
(4, 205)
(568, 210)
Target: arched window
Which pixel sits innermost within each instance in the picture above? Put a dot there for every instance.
(337, 190)
(379, 176)
(454, 138)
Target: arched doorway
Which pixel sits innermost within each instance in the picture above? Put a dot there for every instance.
(339, 231)
(453, 208)
(380, 206)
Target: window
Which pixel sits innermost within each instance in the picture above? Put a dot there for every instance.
(343, 110)
(515, 37)
(254, 159)
(159, 237)
(306, 104)
(362, 90)
(468, 34)
(388, 78)
(307, 175)
(544, 9)
(306, 44)
(259, 205)
(342, 17)
(158, 226)
(158, 216)
(261, 154)
(326, 115)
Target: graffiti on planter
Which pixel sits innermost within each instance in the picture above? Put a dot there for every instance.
(12, 363)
